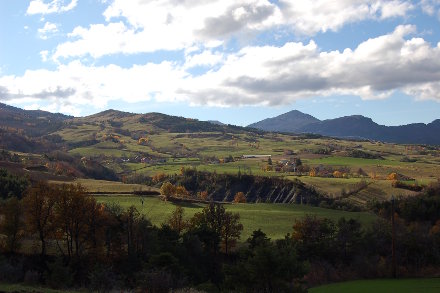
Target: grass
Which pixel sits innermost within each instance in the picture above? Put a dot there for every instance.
(382, 286)
(276, 220)
(109, 186)
(348, 161)
(18, 288)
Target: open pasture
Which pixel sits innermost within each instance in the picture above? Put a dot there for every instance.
(276, 220)
(382, 286)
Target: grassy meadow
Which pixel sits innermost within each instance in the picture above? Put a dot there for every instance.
(276, 220)
(382, 286)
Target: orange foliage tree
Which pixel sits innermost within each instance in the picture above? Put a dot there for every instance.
(239, 197)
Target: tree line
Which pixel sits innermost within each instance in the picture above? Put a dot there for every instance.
(61, 237)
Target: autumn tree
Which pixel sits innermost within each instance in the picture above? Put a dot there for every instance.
(159, 177)
(39, 206)
(73, 211)
(239, 197)
(203, 195)
(167, 189)
(181, 192)
(337, 174)
(176, 221)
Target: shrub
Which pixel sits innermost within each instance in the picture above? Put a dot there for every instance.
(102, 279)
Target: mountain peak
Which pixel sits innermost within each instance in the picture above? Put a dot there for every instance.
(291, 121)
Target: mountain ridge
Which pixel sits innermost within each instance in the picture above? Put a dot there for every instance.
(355, 126)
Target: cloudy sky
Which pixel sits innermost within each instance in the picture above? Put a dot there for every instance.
(236, 61)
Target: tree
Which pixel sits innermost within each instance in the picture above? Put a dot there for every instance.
(73, 211)
(12, 224)
(231, 230)
(269, 161)
(225, 225)
(314, 236)
(176, 221)
(181, 192)
(348, 237)
(11, 186)
(240, 197)
(167, 189)
(266, 267)
(337, 174)
(39, 206)
(203, 195)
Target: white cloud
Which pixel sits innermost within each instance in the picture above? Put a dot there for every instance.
(48, 7)
(150, 26)
(279, 75)
(77, 85)
(309, 17)
(140, 26)
(255, 75)
(48, 30)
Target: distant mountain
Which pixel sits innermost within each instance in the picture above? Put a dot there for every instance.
(355, 126)
(291, 121)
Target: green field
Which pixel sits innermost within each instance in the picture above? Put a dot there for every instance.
(276, 220)
(382, 286)
(100, 186)
(19, 288)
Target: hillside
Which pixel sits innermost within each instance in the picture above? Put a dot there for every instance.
(129, 147)
(355, 126)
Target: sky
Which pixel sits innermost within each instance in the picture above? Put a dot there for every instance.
(235, 61)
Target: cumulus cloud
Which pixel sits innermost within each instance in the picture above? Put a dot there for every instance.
(48, 30)
(76, 85)
(151, 26)
(309, 17)
(255, 75)
(272, 75)
(140, 26)
(48, 7)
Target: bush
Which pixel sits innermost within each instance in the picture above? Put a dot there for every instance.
(11, 270)
(408, 186)
(102, 279)
(59, 275)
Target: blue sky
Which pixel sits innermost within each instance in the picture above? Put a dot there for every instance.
(236, 61)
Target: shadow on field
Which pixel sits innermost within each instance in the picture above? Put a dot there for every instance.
(189, 205)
